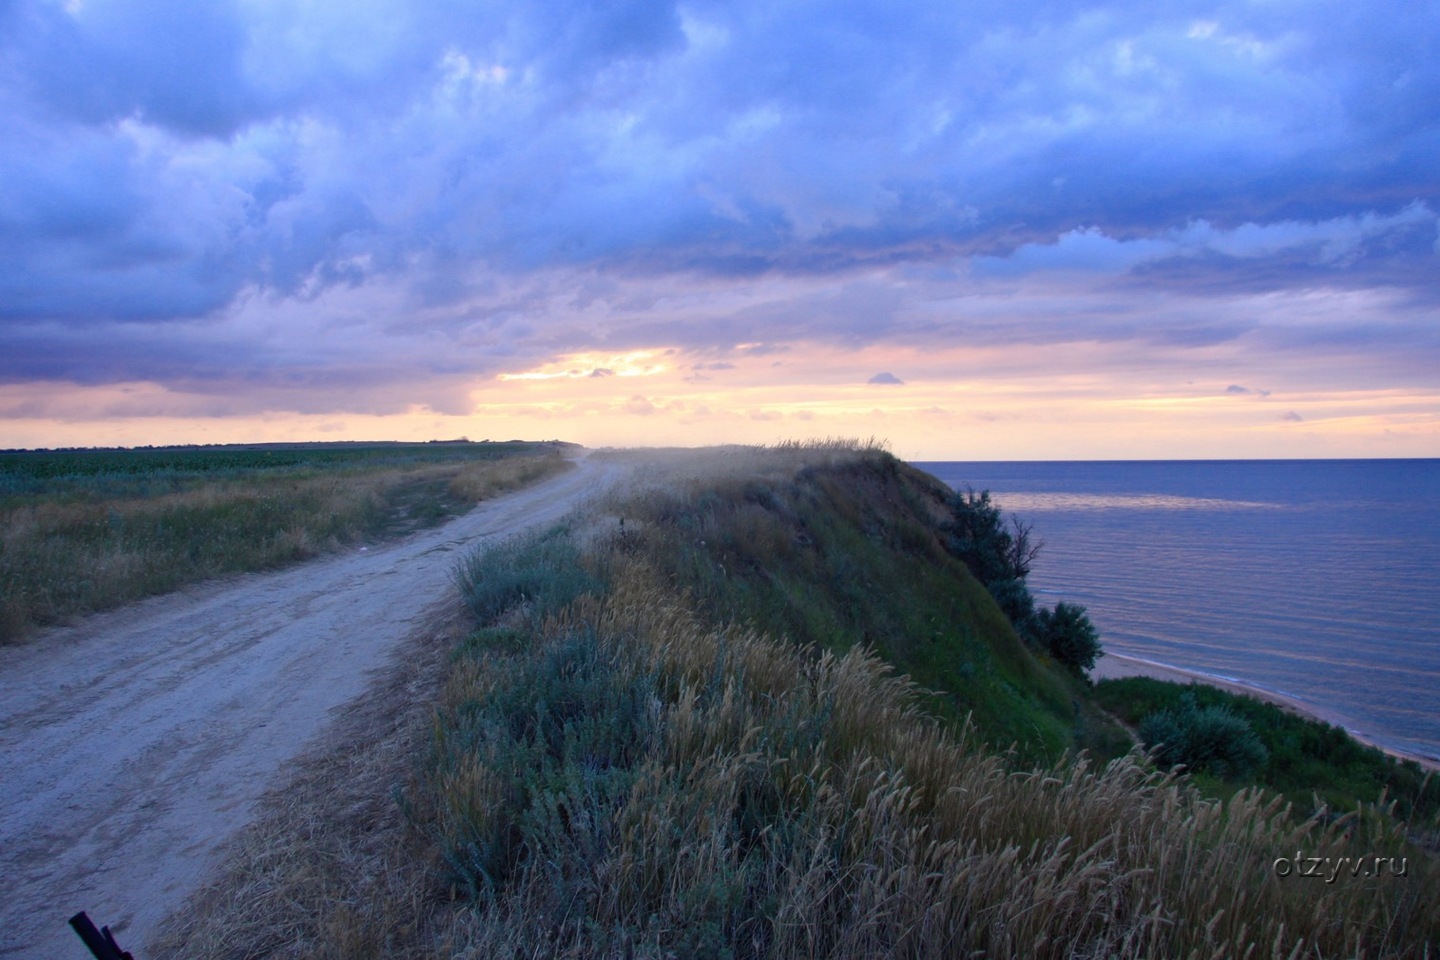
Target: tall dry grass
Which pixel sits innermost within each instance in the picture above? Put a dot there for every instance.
(690, 469)
(632, 781)
(481, 481)
(65, 556)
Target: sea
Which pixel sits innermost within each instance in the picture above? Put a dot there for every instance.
(1315, 579)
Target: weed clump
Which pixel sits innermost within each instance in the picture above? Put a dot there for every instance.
(541, 572)
(1211, 739)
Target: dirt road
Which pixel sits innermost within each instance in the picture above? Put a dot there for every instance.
(134, 744)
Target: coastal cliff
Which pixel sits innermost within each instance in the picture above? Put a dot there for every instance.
(755, 706)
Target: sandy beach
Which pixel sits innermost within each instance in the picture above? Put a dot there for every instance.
(1113, 666)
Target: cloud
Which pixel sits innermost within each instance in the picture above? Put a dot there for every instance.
(1292, 417)
(1344, 250)
(640, 134)
(282, 198)
(1235, 388)
(886, 379)
(176, 65)
(640, 406)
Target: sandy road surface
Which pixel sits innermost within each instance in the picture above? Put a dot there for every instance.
(134, 744)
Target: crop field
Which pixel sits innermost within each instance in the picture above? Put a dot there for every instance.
(146, 470)
(85, 530)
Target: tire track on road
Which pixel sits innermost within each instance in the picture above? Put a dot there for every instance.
(133, 744)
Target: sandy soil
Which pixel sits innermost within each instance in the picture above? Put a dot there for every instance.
(1113, 666)
(133, 744)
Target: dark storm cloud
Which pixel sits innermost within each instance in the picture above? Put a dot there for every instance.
(163, 159)
(175, 64)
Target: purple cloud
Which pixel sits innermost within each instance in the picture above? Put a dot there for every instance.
(310, 197)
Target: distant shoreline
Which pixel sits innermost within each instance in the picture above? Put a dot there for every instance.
(1113, 666)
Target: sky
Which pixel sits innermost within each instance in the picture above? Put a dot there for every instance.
(1030, 229)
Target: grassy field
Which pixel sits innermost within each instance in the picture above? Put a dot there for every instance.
(678, 730)
(86, 530)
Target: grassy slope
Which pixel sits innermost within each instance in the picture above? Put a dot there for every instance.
(89, 530)
(640, 772)
(1308, 761)
(848, 555)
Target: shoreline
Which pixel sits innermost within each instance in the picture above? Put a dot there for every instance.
(1114, 666)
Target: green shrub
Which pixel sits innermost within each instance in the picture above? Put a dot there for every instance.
(1309, 761)
(1208, 739)
(1000, 558)
(1069, 636)
(543, 570)
(978, 536)
(542, 763)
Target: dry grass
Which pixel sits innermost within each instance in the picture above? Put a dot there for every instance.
(687, 469)
(63, 557)
(772, 802)
(484, 480)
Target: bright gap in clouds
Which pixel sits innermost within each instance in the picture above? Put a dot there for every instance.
(594, 366)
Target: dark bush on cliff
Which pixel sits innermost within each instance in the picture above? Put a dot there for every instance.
(980, 538)
(1067, 633)
(1013, 597)
(1209, 739)
(999, 555)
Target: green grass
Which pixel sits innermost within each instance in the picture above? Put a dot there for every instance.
(87, 530)
(151, 471)
(848, 555)
(1308, 760)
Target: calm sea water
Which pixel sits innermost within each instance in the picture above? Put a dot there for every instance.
(1318, 579)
